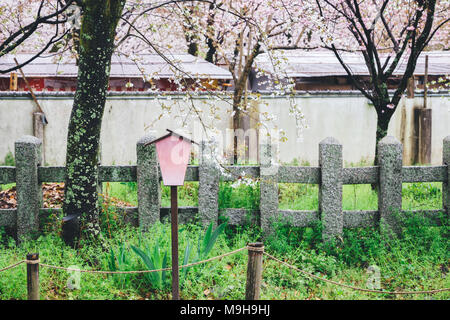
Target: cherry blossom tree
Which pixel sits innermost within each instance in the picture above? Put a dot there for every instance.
(234, 33)
(104, 27)
(388, 34)
(35, 26)
(228, 32)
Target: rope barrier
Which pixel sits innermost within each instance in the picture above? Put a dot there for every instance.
(306, 273)
(433, 291)
(121, 272)
(13, 265)
(145, 271)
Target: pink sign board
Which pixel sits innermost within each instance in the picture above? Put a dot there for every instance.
(173, 154)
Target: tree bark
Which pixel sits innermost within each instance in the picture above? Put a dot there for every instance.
(239, 94)
(96, 47)
(383, 119)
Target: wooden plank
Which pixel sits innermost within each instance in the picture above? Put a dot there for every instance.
(425, 128)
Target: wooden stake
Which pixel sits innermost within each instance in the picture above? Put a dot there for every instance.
(425, 82)
(425, 127)
(410, 87)
(254, 271)
(13, 81)
(33, 276)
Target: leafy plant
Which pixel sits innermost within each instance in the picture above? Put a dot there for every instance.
(119, 262)
(209, 240)
(153, 260)
(9, 159)
(421, 191)
(204, 246)
(242, 196)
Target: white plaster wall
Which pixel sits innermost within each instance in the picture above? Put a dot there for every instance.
(348, 118)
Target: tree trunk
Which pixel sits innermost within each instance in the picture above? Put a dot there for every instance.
(211, 52)
(237, 101)
(383, 119)
(96, 47)
(239, 94)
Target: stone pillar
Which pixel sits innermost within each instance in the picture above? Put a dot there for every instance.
(268, 201)
(29, 191)
(208, 185)
(390, 183)
(148, 183)
(446, 185)
(330, 188)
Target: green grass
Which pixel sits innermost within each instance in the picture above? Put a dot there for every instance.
(7, 186)
(417, 260)
(293, 196)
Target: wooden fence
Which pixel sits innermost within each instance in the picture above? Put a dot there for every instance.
(330, 175)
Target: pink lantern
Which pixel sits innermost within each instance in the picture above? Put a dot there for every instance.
(174, 152)
(173, 155)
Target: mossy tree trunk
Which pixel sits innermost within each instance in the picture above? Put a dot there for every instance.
(384, 115)
(384, 109)
(97, 33)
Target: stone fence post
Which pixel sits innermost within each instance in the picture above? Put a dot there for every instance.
(390, 154)
(446, 185)
(29, 191)
(148, 183)
(268, 200)
(330, 188)
(208, 185)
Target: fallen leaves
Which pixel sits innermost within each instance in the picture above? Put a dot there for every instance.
(8, 198)
(53, 197)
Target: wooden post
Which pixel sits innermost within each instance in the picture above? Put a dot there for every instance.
(425, 81)
(174, 224)
(38, 130)
(33, 276)
(254, 271)
(13, 81)
(410, 88)
(425, 126)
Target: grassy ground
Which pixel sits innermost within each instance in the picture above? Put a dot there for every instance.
(418, 260)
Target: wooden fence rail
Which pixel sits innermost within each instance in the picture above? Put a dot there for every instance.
(28, 174)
